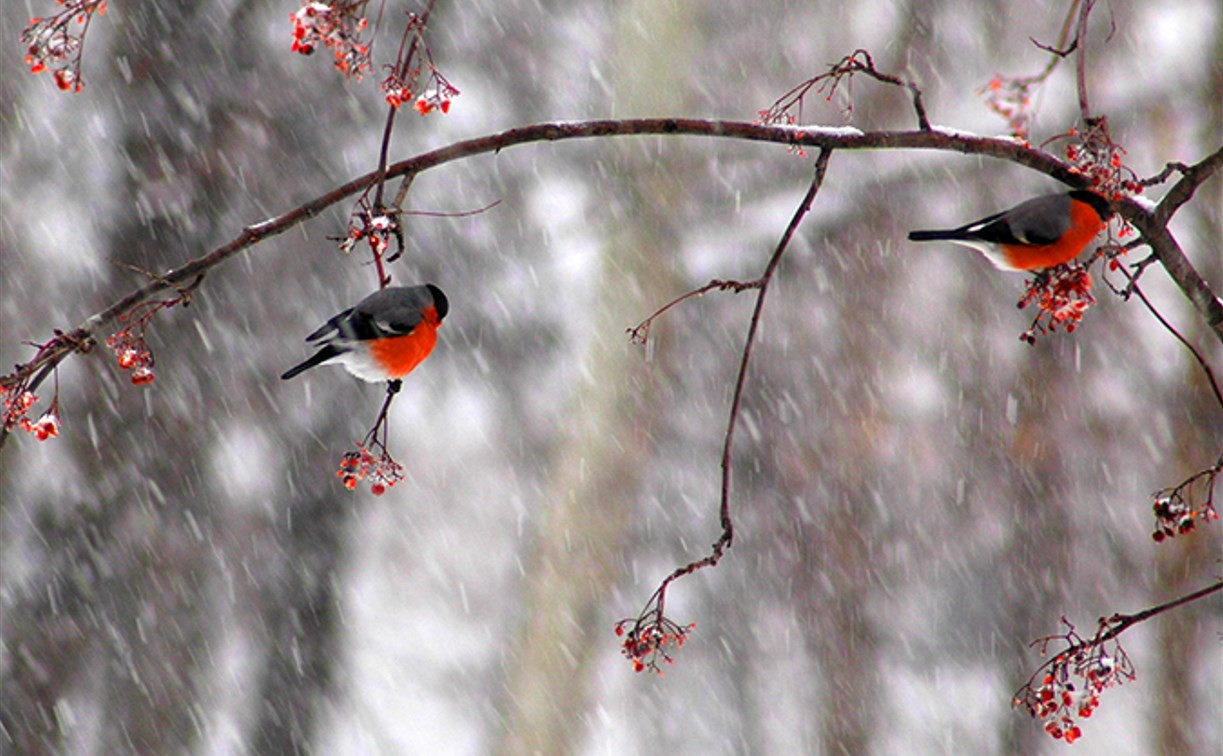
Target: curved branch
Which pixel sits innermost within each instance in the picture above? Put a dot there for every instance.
(936, 138)
(1153, 225)
(1182, 191)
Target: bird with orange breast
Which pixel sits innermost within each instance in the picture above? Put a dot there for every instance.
(1037, 234)
(383, 337)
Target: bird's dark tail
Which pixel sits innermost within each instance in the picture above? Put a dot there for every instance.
(319, 357)
(936, 235)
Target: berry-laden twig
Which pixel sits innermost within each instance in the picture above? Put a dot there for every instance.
(1177, 509)
(1011, 96)
(56, 43)
(1068, 686)
(1062, 295)
(403, 82)
(652, 633)
(19, 397)
(130, 348)
(650, 637)
(1070, 683)
(404, 77)
(788, 109)
(1094, 155)
(377, 228)
(371, 459)
(336, 26)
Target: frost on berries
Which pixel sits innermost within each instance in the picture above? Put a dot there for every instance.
(1062, 295)
(131, 351)
(17, 402)
(55, 43)
(133, 354)
(1178, 509)
(336, 26)
(382, 471)
(437, 97)
(1067, 688)
(407, 81)
(1094, 155)
(650, 639)
(17, 395)
(376, 228)
(45, 427)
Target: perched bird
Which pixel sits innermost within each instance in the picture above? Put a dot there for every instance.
(1040, 233)
(384, 337)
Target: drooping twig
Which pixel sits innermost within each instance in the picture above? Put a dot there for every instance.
(1067, 686)
(1011, 96)
(648, 635)
(1132, 286)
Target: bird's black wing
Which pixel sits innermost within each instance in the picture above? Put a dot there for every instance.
(1041, 220)
(394, 311)
(330, 327)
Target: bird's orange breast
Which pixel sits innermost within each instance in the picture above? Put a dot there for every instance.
(399, 355)
(1085, 223)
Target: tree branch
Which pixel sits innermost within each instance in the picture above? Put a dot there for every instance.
(1080, 41)
(1151, 225)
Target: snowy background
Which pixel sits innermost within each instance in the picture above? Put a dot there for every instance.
(917, 494)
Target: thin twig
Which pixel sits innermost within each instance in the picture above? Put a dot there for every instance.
(728, 528)
(1119, 623)
(640, 333)
(383, 151)
(1210, 376)
(1163, 175)
(1081, 60)
(445, 214)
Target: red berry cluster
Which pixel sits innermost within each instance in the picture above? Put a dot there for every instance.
(1011, 98)
(649, 639)
(382, 471)
(404, 80)
(435, 97)
(1094, 155)
(17, 402)
(337, 27)
(128, 343)
(377, 229)
(1062, 294)
(55, 43)
(1175, 510)
(133, 353)
(1173, 517)
(1072, 682)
